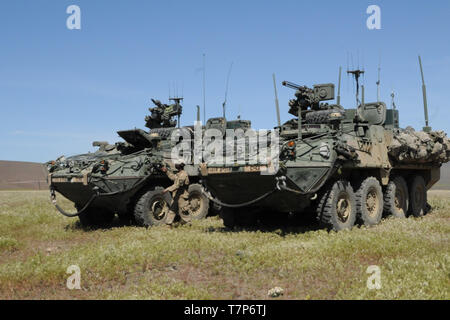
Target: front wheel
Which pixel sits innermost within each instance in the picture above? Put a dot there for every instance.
(152, 207)
(337, 206)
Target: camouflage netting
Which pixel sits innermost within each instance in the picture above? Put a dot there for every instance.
(410, 146)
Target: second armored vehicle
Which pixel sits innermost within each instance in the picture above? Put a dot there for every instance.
(114, 178)
(343, 165)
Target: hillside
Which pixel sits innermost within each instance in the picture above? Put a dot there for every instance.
(444, 182)
(15, 175)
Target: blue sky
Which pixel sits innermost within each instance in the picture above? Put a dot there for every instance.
(61, 89)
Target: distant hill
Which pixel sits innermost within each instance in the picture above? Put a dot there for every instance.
(444, 183)
(15, 175)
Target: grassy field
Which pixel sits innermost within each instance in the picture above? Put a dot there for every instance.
(205, 261)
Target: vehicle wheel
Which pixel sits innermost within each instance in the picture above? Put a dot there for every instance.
(228, 215)
(198, 204)
(152, 208)
(95, 217)
(369, 202)
(417, 197)
(337, 207)
(396, 198)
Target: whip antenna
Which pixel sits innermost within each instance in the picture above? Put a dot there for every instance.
(424, 93)
(204, 89)
(226, 90)
(379, 81)
(338, 101)
(277, 106)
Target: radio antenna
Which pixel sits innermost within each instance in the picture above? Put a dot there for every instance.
(204, 89)
(226, 90)
(338, 101)
(424, 93)
(393, 101)
(177, 101)
(277, 106)
(379, 81)
(169, 90)
(356, 74)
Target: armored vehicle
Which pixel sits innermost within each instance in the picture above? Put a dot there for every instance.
(117, 177)
(345, 166)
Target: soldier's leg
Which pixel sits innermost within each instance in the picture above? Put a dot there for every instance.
(173, 209)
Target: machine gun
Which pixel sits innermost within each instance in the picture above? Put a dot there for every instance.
(307, 97)
(162, 115)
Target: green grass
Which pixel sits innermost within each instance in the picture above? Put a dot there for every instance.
(205, 261)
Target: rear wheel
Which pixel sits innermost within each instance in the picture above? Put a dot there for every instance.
(337, 206)
(417, 197)
(152, 208)
(369, 202)
(198, 204)
(396, 198)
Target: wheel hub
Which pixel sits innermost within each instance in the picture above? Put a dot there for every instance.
(343, 208)
(158, 209)
(372, 203)
(195, 205)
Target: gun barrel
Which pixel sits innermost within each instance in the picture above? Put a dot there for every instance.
(291, 85)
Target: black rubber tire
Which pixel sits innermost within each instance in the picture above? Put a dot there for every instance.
(196, 191)
(417, 197)
(369, 187)
(148, 205)
(95, 217)
(396, 198)
(228, 216)
(327, 212)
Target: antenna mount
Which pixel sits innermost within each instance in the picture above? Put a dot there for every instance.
(356, 74)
